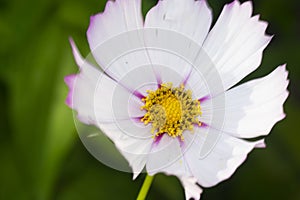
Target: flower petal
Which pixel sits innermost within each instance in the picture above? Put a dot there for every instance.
(181, 16)
(224, 158)
(236, 42)
(94, 96)
(169, 66)
(118, 24)
(174, 20)
(119, 16)
(252, 109)
(135, 150)
(192, 190)
(196, 82)
(82, 85)
(166, 156)
(101, 101)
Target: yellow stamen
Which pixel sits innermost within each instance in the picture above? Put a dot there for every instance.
(171, 110)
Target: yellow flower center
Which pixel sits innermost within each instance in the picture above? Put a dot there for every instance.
(171, 110)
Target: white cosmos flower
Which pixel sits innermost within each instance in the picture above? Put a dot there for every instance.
(165, 94)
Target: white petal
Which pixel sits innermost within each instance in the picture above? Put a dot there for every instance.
(135, 150)
(117, 119)
(170, 67)
(192, 190)
(131, 137)
(253, 108)
(236, 42)
(117, 43)
(118, 60)
(162, 60)
(116, 40)
(119, 16)
(224, 158)
(82, 88)
(190, 18)
(181, 27)
(91, 94)
(94, 96)
(133, 141)
(196, 82)
(166, 156)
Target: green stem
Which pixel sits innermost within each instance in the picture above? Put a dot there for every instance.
(145, 187)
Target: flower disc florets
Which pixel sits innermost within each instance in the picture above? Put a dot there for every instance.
(171, 110)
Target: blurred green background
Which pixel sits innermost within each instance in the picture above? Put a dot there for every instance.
(41, 155)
